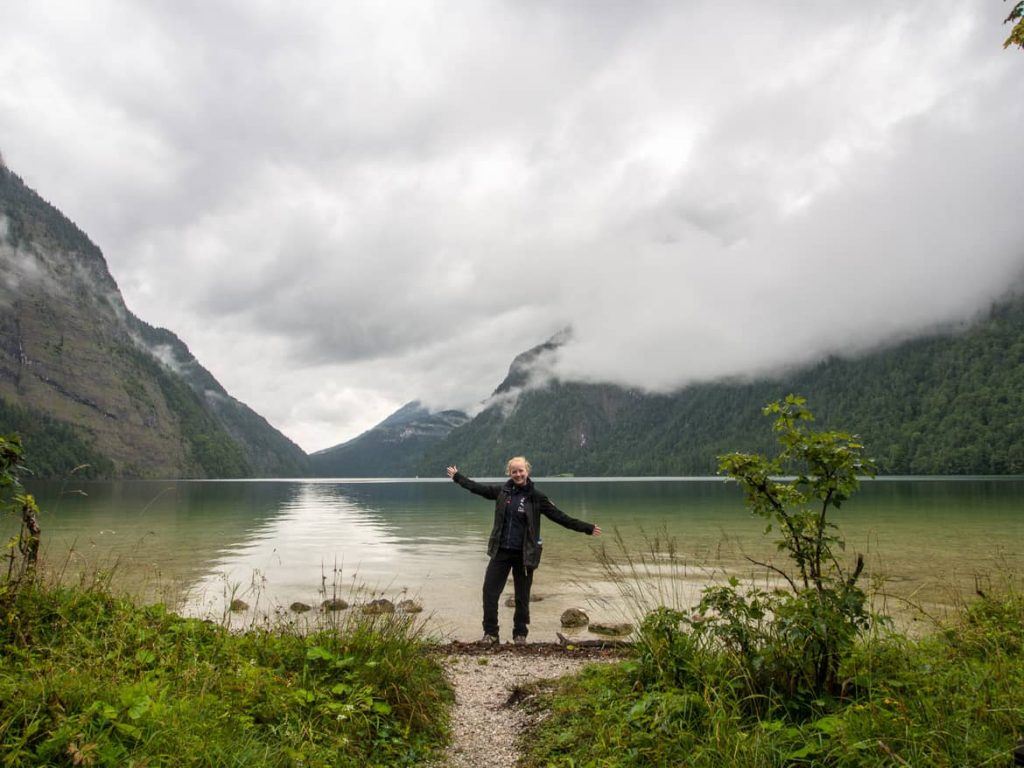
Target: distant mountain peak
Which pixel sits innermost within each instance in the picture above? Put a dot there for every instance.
(392, 448)
(535, 364)
(409, 412)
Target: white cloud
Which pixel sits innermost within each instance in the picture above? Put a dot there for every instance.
(342, 208)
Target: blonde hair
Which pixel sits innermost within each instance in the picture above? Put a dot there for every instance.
(508, 466)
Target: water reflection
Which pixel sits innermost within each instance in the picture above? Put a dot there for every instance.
(356, 541)
(428, 539)
(150, 532)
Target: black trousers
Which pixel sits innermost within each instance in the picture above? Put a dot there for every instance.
(495, 576)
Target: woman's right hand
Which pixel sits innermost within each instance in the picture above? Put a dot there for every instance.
(452, 471)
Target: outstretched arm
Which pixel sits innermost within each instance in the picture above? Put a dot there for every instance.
(553, 513)
(487, 491)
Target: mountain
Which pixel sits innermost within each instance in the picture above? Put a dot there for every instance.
(531, 365)
(85, 381)
(393, 448)
(951, 402)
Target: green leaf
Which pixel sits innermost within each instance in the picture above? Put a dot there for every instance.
(828, 724)
(316, 652)
(304, 696)
(128, 730)
(808, 750)
(639, 708)
(140, 707)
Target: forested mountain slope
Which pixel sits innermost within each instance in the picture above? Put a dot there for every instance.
(948, 403)
(393, 448)
(84, 381)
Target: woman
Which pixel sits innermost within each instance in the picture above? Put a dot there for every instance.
(515, 543)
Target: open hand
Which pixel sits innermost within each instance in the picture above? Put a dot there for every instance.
(452, 470)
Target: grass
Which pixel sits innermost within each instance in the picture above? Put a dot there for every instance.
(799, 672)
(88, 678)
(952, 698)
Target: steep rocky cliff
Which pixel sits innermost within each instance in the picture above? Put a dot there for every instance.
(87, 382)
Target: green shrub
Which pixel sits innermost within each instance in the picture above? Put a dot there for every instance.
(788, 675)
(87, 678)
(949, 699)
(795, 637)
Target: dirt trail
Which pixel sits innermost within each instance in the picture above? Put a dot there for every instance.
(488, 720)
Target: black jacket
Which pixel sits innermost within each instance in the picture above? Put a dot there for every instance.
(537, 504)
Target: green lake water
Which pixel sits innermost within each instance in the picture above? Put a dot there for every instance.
(196, 543)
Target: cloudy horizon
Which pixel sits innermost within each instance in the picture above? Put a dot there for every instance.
(344, 208)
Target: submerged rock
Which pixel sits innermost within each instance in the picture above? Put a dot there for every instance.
(239, 605)
(611, 629)
(574, 617)
(379, 606)
(298, 607)
(334, 604)
(409, 606)
(510, 602)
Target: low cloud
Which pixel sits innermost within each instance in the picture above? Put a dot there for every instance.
(164, 354)
(24, 268)
(349, 208)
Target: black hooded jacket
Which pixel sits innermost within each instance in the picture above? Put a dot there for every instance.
(537, 504)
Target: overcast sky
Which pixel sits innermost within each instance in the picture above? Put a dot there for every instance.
(341, 207)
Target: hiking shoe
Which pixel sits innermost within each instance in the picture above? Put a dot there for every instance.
(489, 640)
(519, 639)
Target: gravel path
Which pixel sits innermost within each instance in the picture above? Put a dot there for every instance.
(486, 721)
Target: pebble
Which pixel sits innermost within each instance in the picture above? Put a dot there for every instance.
(486, 732)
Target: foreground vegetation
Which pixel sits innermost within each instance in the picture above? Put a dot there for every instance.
(951, 699)
(799, 671)
(796, 670)
(88, 678)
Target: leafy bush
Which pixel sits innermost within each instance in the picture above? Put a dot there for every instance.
(948, 699)
(787, 675)
(794, 637)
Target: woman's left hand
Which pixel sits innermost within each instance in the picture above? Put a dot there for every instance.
(596, 531)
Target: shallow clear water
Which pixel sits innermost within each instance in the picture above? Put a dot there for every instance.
(274, 542)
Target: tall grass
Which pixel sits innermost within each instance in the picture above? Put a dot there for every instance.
(89, 678)
(949, 698)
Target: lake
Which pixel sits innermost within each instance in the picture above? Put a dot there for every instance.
(271, 542)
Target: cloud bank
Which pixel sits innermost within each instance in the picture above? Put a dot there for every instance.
(341, 209)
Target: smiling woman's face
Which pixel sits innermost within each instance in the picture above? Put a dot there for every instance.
(518, 472)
